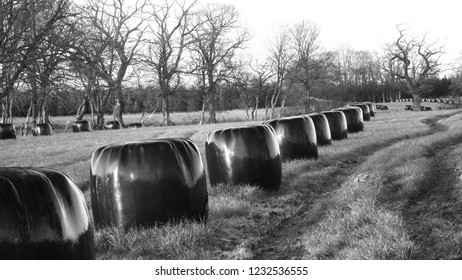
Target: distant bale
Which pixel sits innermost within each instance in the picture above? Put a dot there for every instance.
(366, 111)
(322, 127)
(81, 126)
(296, 137)
(244, 155)
(337, 124)
(112, 125)
(381, 107)
(354, 118)
(371, 108)
(42, 129)
(7, 131)
(135, 125)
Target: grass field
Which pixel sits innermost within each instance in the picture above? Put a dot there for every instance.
(390, 192)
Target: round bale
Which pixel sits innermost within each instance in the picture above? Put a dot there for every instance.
(43, 215)
(366, 111)
(337, 124)
(148, 182)
(247, 155)
(112, 125)
(354, 118)
(322, 127)
(135, 125)
(7, 131)
(296, 137)
(371, 108)
(42, 129)
(81, 126)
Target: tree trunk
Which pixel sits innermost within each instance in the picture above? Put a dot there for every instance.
(44, 111)
(82, 109)
(43, 105)
(31, 112)
(255, 109)
(10, 110)
(118, 108)
(416, 100)
(283, 103)
(274, 101)
(166, 111)
(99, 113)
(203, 113)
(308, 99)
(7, 104)
(97, 106)
(212, 111)
(266, 106)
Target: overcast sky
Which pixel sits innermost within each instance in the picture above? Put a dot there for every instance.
(364, 25)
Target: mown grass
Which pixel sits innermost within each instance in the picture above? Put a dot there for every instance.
(352, 201)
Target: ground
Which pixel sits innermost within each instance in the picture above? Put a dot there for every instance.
(392, 191)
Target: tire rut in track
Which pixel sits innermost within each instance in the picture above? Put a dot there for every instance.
(283, 240)
(436, 207)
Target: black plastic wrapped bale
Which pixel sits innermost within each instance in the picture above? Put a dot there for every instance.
(245, 155)
(354, 118)
(322, 127)
(81, 126)
(112, 125)
(135, 125)
(296, 137)
(42, 129)
(148, 182)
(43, 215)
(371, 108)
(7, 131)
(337, 124)
(366, 110)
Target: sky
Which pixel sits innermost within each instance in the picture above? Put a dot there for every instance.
(361, 24)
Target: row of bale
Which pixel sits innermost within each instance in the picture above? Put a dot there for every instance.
(43, 213)
(8, 130)
(434, 100)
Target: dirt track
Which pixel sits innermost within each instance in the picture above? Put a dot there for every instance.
(436, 209)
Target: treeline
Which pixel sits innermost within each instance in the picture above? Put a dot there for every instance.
(138, 100)
(62, 58)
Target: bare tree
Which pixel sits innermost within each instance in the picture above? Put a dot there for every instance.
(217, 38)
(280, 57)
(88, 48)
(170, 30)
(47, 72)
(119, 26)
(261, 74)
(24, 25)
(418, 61)
(310, 62)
